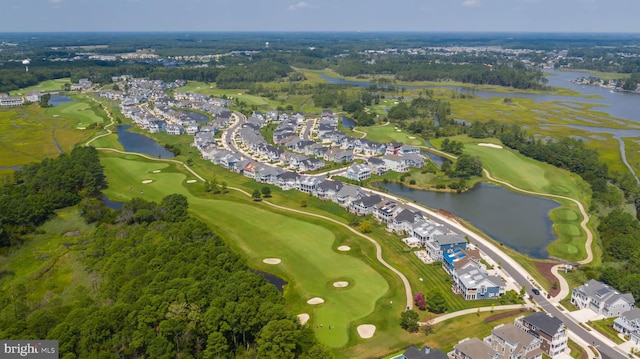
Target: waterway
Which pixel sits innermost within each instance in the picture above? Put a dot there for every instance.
(273, 279)
(515, 220)
(56, 100)
(135, 142)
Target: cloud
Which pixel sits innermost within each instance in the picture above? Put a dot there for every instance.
(470, 3)
(300, 5)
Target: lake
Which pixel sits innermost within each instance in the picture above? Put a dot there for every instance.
(519, 221)
(56, 100)
(135, 142)
(348, 122)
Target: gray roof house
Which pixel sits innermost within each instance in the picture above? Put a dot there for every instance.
(473, 348)
(308, 184)
(628, 323)
(514, 343)
(310, 164)
(404, 221)
(602, 299)
(365, 205)
(548, 329)
(377, 166)
(358, 172)
(328, 189)
(288, 180)
(348, 194)
(386, 210)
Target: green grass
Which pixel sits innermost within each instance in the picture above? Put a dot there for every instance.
(83, 110)
(576, 351)
(309, 261)
(26, 134)
(605, 326)
(49, 85)
(389, 133)
(44, 264)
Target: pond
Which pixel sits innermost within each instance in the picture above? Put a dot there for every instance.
(56, 100)
(516, 220)
(135, 142)
(348, 122)
(115, 205)
(273, 279)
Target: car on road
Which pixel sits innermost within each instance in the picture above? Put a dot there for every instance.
(535, 291)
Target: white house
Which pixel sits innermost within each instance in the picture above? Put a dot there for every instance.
(628, 323)
(602, 299)
(358, 172)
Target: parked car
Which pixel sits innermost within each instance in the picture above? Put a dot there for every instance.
(535, 291)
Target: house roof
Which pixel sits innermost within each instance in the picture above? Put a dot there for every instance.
(375, 161)
(449, 239)
(513, 335)
(424, 353)
(369, 201)
(328, 185)
(546, 323)
(290, 175)
(474, 348)
(633, 314)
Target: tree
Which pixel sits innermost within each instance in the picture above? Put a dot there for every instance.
(266, 191)
(436, 302)
(409, 321)
(365, 227)
(419, 300)
(278, 339)
(428, 323)
(174, 208)
(256, 195)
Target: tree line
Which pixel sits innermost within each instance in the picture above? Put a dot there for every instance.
(41, 188)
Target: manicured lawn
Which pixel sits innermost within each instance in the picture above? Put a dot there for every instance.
(310, 262)
(605, 326)
(83, 111)
(49, 85)
(389, 133)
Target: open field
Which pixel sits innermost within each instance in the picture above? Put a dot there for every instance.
(49, 85)
(389, 133)
(309, 260)
(83, 110)
(29, 134)
(47, 263)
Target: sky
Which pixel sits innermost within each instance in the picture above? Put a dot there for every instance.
(321, 15)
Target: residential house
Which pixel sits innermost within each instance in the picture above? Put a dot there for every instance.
(548, 329)
(173, 129)
(424, 353)
(308, 184)
(513, 343)
(358, 172)
(348, 194)
(602, 299)
(473, 348)
(406, 149)
(156, 125)
(628, 323)
(413, 160)
(426, 230)
(268, 174)
(310, 164)
(377, 166)
(395, 163)
(386, 210)
(288, 180)
(404, 221)
(393, 148)
(474, 283)
(365, 205)
(441, 244)
(328, 189)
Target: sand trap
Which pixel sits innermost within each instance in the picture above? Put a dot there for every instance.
(192, 181)
(147, 181)
(272, 260)
(344, 248)
(340, 284)
(316, 300)
(489, 145)
(303, 318)
(412, 138)
(366, 330)
(156, 171)
(398, 130)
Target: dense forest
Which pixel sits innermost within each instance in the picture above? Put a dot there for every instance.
(41, 188)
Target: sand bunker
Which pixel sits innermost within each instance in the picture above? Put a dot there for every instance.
(303, 318)
(344, 248)
(316, 300)
(147, 181)
(156, 171)
(366, 330)
(191, 181)
(272, 260)
(340, 284)
(412, 138)
(489, 145)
